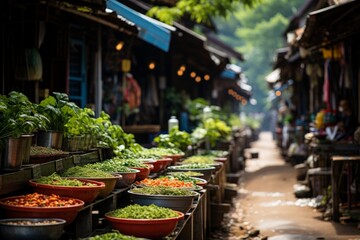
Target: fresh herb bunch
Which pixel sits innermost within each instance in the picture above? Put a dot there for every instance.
(18, 116)
(143, 212)
(79, 171)
(178, 140)
(58, 109)
(55, 179)
(161, 190)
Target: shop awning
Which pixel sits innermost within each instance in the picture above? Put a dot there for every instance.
(151, 30)
(331, 24)
(220, 45)
(231, 71)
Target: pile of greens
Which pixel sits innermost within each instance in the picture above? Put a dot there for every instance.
(79, 171)
(199, 159)
(137, 211)
(109, 166)
(55, 179)
(194, 166)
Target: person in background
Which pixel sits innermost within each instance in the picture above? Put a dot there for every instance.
(347, 123)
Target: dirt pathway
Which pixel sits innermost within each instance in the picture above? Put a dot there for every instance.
(266, 207)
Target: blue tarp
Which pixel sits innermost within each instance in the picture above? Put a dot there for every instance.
(151, 30)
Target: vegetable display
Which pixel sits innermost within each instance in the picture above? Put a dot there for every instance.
(199, 159)
(109, 166)
(194, 166)
(41, 200)
(55, 179)
(79, 171)
(167, 182)
(143, 212)
(187, 173)
(161, 190)
(115, 235)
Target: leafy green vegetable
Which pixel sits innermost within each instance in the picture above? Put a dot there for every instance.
(143, 212)
(177, 140)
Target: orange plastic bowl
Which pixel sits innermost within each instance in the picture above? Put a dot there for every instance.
(68, 213)
(160, 164)
(145, 228)
(166, 161)
(110, 183)
(143, 172)
(174, 157)
(84, 193)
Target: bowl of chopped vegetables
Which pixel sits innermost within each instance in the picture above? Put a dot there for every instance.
(175, 198)
(84, 173)
(168, 181)
(31, 228)
(85, 190)
(37, 205)
(144, 221)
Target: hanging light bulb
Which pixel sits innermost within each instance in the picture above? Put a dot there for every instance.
(152, 65)
(198, 79)
(119, 46)
(192, 74)
(207, 77)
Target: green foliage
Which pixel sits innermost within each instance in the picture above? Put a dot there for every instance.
(58, 109)
(80, 123)
(18, 116)
(176, 139)
(198, 11)
(195, 108)
(257, 33)
(213, 130)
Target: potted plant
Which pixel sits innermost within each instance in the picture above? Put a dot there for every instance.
(19, 121)
(58, 109)
(78, 130)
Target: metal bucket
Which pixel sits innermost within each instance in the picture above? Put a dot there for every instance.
(16, 152)
(73, 144)
(51, 139)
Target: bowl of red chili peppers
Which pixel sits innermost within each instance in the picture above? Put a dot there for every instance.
(37, 205)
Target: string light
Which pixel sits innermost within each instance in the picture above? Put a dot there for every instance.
(152, 65)
(198, 79)
(193, 74)
(207, 77)
(119, 46)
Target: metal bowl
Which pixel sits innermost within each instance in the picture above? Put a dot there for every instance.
(178, 203)
(206, 171)
(31, 228)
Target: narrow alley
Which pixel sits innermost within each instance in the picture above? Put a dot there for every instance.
(266, 207)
